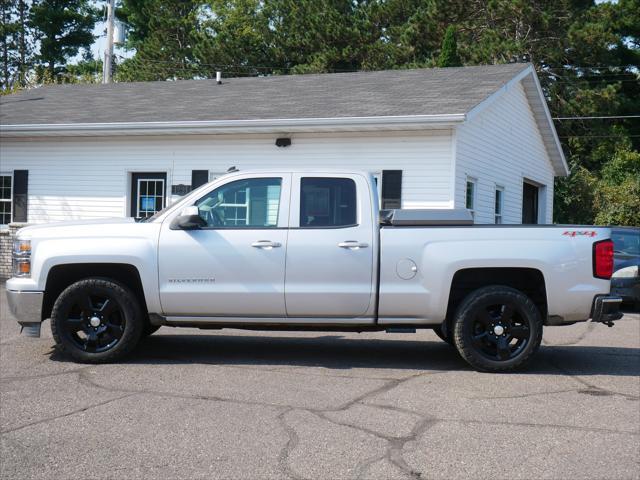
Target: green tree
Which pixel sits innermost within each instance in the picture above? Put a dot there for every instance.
(14, 44)
(62, 27)
(163, 33)
(449, 53)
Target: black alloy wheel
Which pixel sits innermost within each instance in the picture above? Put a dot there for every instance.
(97, 320)
(500, 331)
(497, 329)
(95, 323)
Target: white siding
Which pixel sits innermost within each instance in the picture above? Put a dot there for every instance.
(501, 146)
(72, 178)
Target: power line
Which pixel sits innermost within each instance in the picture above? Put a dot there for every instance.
(598, 136)
(604, 117)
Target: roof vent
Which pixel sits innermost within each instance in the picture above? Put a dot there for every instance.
(219, 78)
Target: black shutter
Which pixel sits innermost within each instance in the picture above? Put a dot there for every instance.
(391, 189)
(199, 177)
(20, 195)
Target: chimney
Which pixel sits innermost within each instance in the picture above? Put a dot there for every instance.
(219, 78)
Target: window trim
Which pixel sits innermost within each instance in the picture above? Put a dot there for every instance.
(496, 215)
(9, 200)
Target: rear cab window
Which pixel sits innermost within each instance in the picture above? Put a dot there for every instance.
(327, 202)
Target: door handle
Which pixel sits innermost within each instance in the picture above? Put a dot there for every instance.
(266, 244)
(353, 244)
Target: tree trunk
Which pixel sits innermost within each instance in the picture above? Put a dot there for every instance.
(5, 48)
(23, 48)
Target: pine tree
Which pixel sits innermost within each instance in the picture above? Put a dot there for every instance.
(449, 53)
(63, 27)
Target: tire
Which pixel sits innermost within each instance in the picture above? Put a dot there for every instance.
(497, 329)
(115, 311)
(445, 338)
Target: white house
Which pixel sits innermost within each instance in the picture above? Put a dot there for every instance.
(476, 137)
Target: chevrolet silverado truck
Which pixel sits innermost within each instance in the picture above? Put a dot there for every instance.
(309, 250)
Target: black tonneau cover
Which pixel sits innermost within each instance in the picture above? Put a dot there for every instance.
(425, 217)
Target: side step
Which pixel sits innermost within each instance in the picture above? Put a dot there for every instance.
(400, 330)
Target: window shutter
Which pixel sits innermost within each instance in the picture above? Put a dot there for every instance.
(391, 189)
(20, 195)
(199, 177)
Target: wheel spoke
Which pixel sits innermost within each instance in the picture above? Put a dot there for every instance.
(115, 330)
(108, 307)
(503, 348)
(75, 324)
(519, 331)
(484, 317)
(85, 304)
(507, 312)
(477, 339)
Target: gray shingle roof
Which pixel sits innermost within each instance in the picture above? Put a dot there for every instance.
(362, 94)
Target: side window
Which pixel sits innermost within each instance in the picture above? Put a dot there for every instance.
(327, 202)
(250, 203)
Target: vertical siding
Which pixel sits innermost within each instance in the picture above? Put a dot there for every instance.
(502, 146)
(74, 178)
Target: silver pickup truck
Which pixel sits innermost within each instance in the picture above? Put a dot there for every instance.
(309, 250)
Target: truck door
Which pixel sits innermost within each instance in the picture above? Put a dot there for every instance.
(330, 252)
(235, 265)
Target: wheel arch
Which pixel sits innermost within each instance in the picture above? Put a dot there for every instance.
(529, 281)
(62, 276)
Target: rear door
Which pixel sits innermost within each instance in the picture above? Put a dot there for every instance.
(330, 251)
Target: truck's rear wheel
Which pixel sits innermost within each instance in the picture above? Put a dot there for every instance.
(497, 329)
(97, 321)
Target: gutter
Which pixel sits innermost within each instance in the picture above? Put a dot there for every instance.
(407, 122)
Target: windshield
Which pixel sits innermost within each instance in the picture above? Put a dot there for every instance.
(626, 242)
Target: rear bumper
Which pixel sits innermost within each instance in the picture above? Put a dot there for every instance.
(606, 309)
(25, 306)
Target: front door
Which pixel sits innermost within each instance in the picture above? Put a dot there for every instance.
(529, 203)
(330, 253)
(148, 193)
(234, 266)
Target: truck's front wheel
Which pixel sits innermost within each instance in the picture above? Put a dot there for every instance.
(97, 320)
(497, 329)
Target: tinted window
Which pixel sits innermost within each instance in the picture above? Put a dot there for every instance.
(247, 203)
(327, 202)
(626, 241)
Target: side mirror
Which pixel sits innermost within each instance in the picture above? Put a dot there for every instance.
(189, 219)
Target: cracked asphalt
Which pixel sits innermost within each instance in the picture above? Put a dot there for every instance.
(194, 404)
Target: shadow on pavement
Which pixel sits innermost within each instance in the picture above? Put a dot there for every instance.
(336, 352)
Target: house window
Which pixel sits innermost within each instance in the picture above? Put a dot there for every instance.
(6, 194)
(499, 205)
(148, 192)
(470, 200)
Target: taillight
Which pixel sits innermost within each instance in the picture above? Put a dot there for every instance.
(603, 259)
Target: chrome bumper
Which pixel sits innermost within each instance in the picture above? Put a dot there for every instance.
(25, 306)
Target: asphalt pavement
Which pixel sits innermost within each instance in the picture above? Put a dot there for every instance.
(194, 404)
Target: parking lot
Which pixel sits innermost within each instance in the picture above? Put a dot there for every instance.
(232, 404)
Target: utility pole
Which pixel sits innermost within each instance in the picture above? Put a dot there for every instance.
(107, 73)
